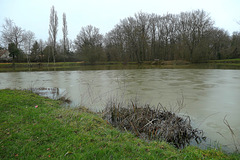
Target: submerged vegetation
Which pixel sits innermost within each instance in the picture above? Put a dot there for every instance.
(35, 127)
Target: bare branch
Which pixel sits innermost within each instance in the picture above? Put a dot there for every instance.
(53, 24)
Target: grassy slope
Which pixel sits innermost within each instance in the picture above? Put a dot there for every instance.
(62, 133)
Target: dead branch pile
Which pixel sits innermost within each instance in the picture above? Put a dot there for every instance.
(153, 124)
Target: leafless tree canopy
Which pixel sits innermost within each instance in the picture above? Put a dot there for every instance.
(145, 36)
(12, 33)
(188, 36)
(53, 29)
(89, 43)
(89, 35)
(65, 33)
(29, 40)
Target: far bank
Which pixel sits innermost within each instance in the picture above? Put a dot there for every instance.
(179, 64)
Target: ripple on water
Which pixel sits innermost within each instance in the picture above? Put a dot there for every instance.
(204, 86)
(178, 84)
(147, 89)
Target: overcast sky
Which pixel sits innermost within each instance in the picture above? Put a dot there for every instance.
(34, 15)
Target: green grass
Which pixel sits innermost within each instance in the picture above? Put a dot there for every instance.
(7, 67)
(237, 60)
(52, 131)
(62, 66)
(235, 63)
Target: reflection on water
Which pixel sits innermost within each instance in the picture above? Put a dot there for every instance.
(53, 93)
(209, 94)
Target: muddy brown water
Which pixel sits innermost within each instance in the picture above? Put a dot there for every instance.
(209, 94)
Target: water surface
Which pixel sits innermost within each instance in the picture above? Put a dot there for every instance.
(209, 94)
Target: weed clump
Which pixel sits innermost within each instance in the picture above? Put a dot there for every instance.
(153, 124)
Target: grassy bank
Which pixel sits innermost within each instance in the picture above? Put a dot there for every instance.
(34, 127)
(82, 63)
(8, 67)
(57, 64)
(227, 62)
(60, 66)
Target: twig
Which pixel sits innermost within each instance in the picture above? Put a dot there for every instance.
(232, 132)
(149, 122)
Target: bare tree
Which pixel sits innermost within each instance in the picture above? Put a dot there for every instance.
(115, 45)
(143, 35)
(235, 45)
(153, 35)
(194, 29)
(130, 31)
(53, 25)
(12, 33)
(89, 43)
(41, 47)
(65, 33)
(29, 40)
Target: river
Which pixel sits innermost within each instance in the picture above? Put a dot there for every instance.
(208, 94)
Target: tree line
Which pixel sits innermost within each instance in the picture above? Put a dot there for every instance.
(189, 36)
(186, 36)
